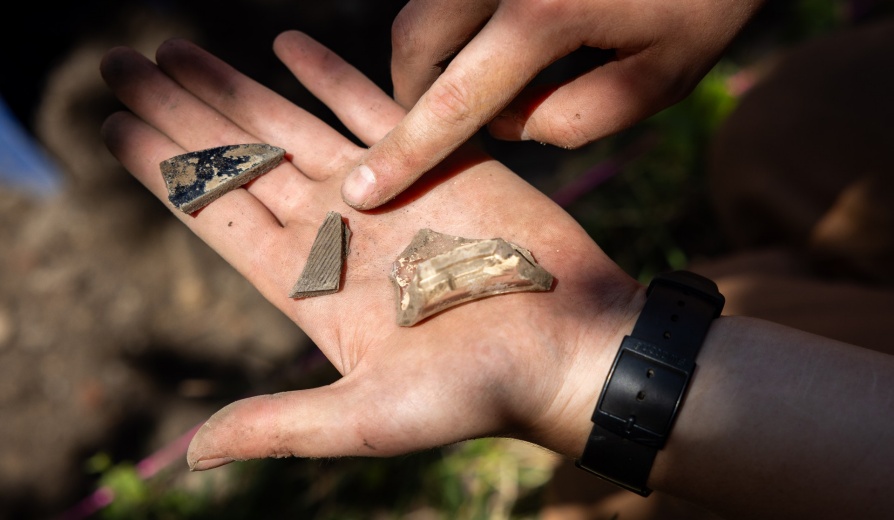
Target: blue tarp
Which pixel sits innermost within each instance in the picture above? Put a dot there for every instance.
(23, 161)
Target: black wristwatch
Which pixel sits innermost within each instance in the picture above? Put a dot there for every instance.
(648, 379)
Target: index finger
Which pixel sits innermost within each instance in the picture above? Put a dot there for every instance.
(476, 86)
(425, 34)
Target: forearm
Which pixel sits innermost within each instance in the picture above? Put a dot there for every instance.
(782, 423)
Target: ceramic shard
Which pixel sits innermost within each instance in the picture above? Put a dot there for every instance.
(437, 271)
(196, 179)
(322, 272)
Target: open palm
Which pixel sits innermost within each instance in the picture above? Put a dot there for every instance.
(496, 366)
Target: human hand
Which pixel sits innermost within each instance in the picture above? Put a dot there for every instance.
(497, 47)
(527, 365)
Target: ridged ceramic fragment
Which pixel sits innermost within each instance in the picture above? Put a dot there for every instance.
(196, 179)
(437, 271)
(322, 272)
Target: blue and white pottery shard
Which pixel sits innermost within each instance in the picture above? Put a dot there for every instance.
(195, 179)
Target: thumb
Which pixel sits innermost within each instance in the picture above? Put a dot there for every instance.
(320, 422)
(356, 416)
(605, 100)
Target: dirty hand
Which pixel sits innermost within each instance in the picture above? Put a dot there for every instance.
(527, 365)
(497, 47)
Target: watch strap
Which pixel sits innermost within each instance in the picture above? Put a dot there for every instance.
(648, 379)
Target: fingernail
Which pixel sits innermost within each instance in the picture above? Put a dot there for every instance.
(203, 465)
(359, 185)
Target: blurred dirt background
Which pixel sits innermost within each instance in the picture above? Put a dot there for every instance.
(120, 331)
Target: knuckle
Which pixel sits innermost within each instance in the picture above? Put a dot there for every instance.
(450, 99)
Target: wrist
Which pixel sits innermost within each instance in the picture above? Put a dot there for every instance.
(567, 423)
